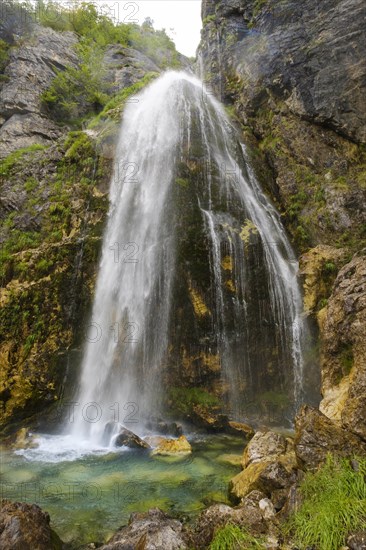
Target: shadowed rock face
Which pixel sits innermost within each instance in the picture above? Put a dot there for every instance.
(26, 527)
(296, 74)
(310, 54)
(343, 330)
(317, 435)
(30, 71)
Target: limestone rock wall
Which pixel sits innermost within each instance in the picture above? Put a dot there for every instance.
(30, 70)
(295, 74)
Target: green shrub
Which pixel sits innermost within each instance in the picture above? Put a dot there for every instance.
(76, 92)
(156, 44)
(330, 267)
(232, 537)
(334, 504)
(4, 55)
(82, 18)
(185, 398)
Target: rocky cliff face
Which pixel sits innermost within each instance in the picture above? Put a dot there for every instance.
(295, 74)
(53, 205)
(30, 71)
(310, 55)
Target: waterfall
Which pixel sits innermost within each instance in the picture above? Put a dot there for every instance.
(195, 264)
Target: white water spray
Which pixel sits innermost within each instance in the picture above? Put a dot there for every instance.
(129, 331)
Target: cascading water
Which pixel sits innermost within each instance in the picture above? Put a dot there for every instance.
(195, 262)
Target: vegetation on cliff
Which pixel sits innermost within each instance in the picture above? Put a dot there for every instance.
(54, 193)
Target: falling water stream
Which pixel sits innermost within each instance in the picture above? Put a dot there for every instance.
(195, 264)
(134, 298)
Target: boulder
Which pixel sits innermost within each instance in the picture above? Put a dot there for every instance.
(317, 435)
(269, 464)
(125, 438)
(173, 446)
(164, 428)
(267, 508)
(357, 541)
(153, 530)
(26, 527)
(248, 515)
(293, 502)
(262, 446)
(208, 418)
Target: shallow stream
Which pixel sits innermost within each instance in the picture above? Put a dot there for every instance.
(89, 493)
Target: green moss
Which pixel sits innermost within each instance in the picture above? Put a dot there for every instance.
(10, 163)
(182, 181)
(114, 107)
(43, 266)
(79, 148)
(209, 19)
(30, 185)
(334, 500)
(4, 54)
(347, 359)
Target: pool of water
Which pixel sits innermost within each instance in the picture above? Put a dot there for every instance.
(89, 493)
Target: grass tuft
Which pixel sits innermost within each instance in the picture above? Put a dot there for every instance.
(232, 537)
(334, 504)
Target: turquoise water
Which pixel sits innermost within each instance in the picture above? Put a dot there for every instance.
(90, 497)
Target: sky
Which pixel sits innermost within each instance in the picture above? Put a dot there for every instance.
(183, 16)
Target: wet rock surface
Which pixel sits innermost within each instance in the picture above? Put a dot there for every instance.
(153, 530)
(26, 527)
(126, 438)
(310, 54)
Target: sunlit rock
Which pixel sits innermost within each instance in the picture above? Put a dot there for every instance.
(173, 446)
(269, 463)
